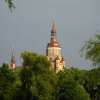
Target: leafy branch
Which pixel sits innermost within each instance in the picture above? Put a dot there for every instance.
(10, 4)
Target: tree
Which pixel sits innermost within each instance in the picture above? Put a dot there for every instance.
(26, 77)
(92, 83)
(69, 89)
(75, 74)
(35, 81)
(10, 4)
(36, 71)
(91, 50)
(7, 80)
(23, 91)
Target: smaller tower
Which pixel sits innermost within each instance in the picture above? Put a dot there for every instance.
(13, 61)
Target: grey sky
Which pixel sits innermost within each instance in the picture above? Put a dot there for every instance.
(28, 28)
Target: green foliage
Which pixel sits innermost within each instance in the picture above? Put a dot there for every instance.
(92, 82)
(22, 94)
(69, 89)
(10, 4)
(91, 50)
(74, 74)
(7, 79)
(28, 58)
(72, 91)
(34, 81)
(26, 77)
(38, 63)
(43, 80)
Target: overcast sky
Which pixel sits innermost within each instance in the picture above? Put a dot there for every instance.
(28, 27)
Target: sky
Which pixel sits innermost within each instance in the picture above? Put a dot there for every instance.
(28, 27)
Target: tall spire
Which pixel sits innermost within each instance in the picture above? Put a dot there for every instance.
(53, 40)
(53, 28)
(13, 60)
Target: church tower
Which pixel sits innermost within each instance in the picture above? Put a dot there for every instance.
(53, 51)
(13, 61)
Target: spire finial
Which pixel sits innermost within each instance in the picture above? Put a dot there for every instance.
(53, 28)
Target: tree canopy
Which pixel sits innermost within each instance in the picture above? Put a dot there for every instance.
(7, 81)
(35, 81)
(91, 50)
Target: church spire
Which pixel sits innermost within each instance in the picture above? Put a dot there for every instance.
(53, 28)
(53, 40)
(53, 51)
(13, 60)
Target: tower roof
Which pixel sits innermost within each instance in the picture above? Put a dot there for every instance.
(13, 58)
(53, 41)
(53, 27)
